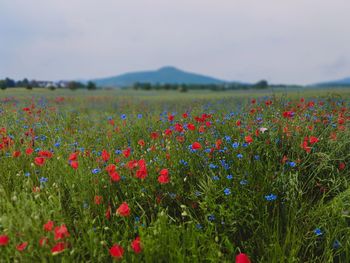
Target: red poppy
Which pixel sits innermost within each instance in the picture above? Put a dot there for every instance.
(105, 155)
(108, 212)
(115, 177)
(73, 156)
(98, 199)
(342, 166)
(191, 127)
(29, 151)
(123, 209)
(43, 241)
(136, 245)
(58, 248)
(126, 152)
(116, 251)
(46, 154)
(313, 139)
(61, 232)
(49, 225)
(16, 154)
(248, 139)
(154, 135)
(164, 176)
(141, 143)
(22, 246)
(74, 164)
(4, 240)
(184, 115)
(40, 161)
(242, 258)
(196, 146)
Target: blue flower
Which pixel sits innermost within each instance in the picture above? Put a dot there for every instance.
(123, 117)
(43, 180)
(227, 191)
(243, 182)
(199, 226)
(216, 178)
(96, 171)
(211, 218)
(235, 145)
(318, 232)
(270, 197)
(139, 116)
(229, 177)
(239, 156)
(213, 166)
(292, 164)
(27, 174)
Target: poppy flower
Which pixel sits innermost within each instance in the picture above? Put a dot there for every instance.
(58, 248)
(341, 166)
(22, 246)
(126, 152)
(191, 127)
(29, 151)
(61, 232)
(73, 156)
(116, 251)
(242, 258)
(196, 146)
(123, 209)
(136, 245)
(49, 225)
(16, 154)
(43, 241)
(74, 164)
(39, 161)
(46, 154)
(248, 139)
(4, 240)
(164, 176)
(105, 155)
(141, 143)
(98, 199)
(115, 177)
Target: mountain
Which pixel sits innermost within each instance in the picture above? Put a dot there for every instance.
(335, 83)
(168, 75)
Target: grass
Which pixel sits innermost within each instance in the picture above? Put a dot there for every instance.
(267, 197)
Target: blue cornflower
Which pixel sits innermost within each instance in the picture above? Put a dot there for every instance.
(213, 166)
(227, 191)
(139, 116)
(57, 144)
(243, 182)
(183, 162)
(211, 217)
(27, 174)
(229, 176)
(43, 179)
(216, 178)
(292, 164)
(239, 156)
(235, 145)
(257, 157)
(318, 232)
(270, 197)
(118, 152)
(96, 170)
(199, 226)
(123, 116)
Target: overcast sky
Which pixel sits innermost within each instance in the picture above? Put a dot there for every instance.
(290, 41)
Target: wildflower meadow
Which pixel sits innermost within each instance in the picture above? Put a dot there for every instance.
(102, 176)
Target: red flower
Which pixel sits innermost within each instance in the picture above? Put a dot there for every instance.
(136, 245)
(342, 166)
(242, 258)
(108, 212)
(141, 143)
(4, 240)
(126, 153)
(248, 139)
(16, 154)
(185, 115)
(39, 161)
(22, 246)
(164, 176)
(43, 241)
(73, 156)
(196, 146)
(61, 232)
(74, 164)
(98, 199)
(116, 251)
(29, 151)
(58, 248)
(46, 154)
(123, 209)
(49, 225)
(313, 139)
(191, 127)
(115, 177)
(105, 155)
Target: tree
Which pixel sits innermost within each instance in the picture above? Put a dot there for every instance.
(3, 84)
(91, 85)
(10, 83)
(262, 84)
(73, 85)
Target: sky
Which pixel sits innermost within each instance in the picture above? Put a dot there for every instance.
(282, 41)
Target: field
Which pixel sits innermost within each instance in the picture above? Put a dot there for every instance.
(102, 176)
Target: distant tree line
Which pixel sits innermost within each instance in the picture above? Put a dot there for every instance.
(30, 84)
(263, 84)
